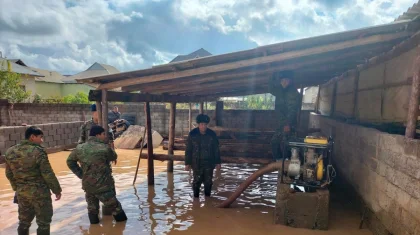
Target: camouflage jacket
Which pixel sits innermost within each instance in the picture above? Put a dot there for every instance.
(287, 104)
(85, 129)
(202, 150)
(94, 158)
(29, 171)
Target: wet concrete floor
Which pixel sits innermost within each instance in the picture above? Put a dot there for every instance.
(168, 207)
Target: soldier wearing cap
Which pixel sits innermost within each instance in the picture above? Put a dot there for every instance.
(202, 155)
(85, 128)
(286, 108)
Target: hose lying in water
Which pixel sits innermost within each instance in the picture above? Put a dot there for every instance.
(275, 166)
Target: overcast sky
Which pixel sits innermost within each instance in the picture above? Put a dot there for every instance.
(69, 36)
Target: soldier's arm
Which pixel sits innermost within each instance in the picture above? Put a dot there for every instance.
(188, 151)
(217, 151)
(47, 172)
(293, 106)
(111, 155)
(10, 177)
(72, 164)
(82, 136)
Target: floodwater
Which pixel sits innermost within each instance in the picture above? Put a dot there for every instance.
(169, 208)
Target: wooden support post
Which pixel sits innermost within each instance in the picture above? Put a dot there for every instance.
(189, 117)
(300, 108)
(219, 113)
(170, 166)
(413, 106)
(333, 99)
(150, 167)
(355, 95)
(99, 112)
(318, 100)
(206, 106)
(105, 111)
(141, 150)
(201, 108)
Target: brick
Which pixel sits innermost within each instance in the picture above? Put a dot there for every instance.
(403, 199)
(413, 167)
(10, 143)
(391, 142)
(402, 180)
(387, 157)
(414, 208)
(409, 222)
(60, 142)
(56, 137)
(413, 188)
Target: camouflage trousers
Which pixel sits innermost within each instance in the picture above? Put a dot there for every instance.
(109, 199)
(203, 175)
(41, 208)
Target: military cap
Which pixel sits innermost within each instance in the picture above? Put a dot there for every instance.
(202, 118)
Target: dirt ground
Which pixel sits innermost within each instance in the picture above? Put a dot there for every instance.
(168, 207)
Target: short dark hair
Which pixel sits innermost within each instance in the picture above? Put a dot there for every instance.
(33, 130)
(202, 118)
(96, 130)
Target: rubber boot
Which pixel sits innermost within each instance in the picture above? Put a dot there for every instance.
(120, 216)
(107, 210)
(93, 218)
(207, 190)
(22, 231)
(196, 192)
(43, 231)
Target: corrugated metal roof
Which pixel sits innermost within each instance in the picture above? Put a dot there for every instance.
(95, 70)
(411, 13)
(196, 54)
(49, 76)
(16, 68)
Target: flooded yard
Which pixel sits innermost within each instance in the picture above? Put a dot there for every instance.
(168, 207)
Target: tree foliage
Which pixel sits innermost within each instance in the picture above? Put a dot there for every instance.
(78, 98)
(10, 86)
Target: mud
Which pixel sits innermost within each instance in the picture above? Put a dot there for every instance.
(168, 207)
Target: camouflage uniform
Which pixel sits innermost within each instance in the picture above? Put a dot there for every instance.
(84, 132)
(202, 154)
(286, 108)
(31, 176)
(94, 157)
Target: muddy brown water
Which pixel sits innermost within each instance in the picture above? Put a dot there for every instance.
(168, 207)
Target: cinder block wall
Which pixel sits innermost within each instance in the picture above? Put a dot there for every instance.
(55, 134)
(384, 169)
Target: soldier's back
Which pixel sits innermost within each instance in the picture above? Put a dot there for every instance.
(23, 160)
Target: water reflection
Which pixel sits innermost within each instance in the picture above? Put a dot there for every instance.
(166, 208)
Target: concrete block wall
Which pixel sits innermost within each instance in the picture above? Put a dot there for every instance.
(384, 169)
(33, 114)
(55, 135)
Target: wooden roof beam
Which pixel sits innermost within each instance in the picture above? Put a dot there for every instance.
(305, 63)
(256, 61)
(96, 95)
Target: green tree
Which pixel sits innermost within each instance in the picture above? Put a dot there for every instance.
(79, 98)
(10, 87)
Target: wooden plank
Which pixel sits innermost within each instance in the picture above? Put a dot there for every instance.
(271, 49)
(256, 61)
(225, 159)
(172, 114)
(189, 117)
(99, 111)
(150, 166)
(306, 62)
(219, 113)
(95, 95)
(201, 108)
(247, 81)
(413, 106)
(105, 111)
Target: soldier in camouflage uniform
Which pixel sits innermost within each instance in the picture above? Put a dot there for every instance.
(97, 182)
(85, 128)
(286, 108)
(84, 134)
(202, 155)
(31, 176)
